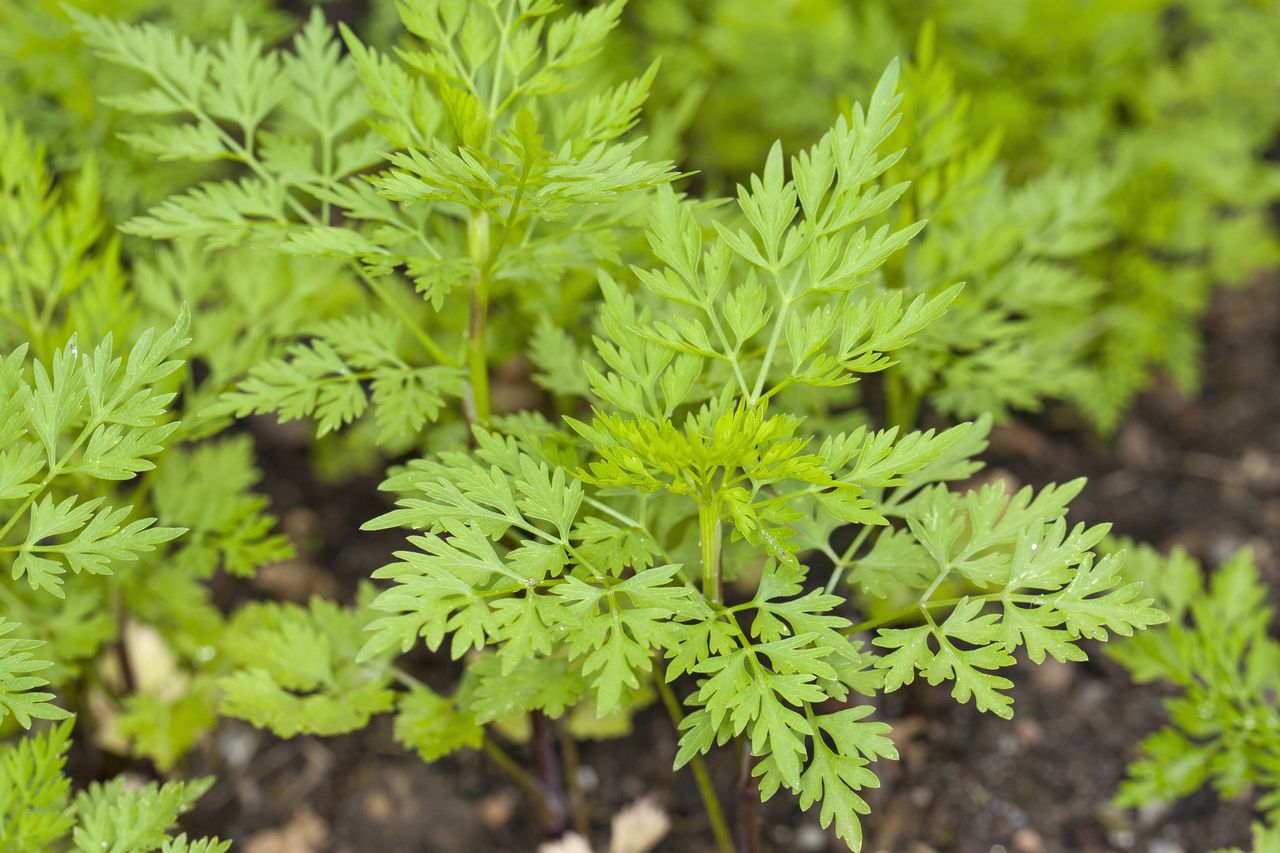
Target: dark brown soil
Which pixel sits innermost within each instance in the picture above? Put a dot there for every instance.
(1203, 473)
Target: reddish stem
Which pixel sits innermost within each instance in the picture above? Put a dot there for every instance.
(546, 766)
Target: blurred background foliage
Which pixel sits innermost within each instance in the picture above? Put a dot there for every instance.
(1172, 106)
(1144, 132)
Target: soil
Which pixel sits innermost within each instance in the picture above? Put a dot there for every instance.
(1203, 473)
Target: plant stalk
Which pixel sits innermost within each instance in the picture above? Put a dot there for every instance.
(577, 801)
(709, 537)
(127, 676)
(519, 775)
(706, 790)
(748, 812)
(478, 402)
(496, 753)
(546, 766)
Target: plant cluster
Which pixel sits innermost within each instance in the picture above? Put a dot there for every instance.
(622, 424)
(1224, 721)
(1162, 113)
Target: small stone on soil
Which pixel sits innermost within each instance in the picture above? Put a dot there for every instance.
(1027, 840)
(495, 810)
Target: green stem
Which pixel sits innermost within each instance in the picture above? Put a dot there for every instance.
(710, 802)
(709, 537)
(500, 60)
(608, 510)
(477, 353)
(925, 605)
(847, 559)
(491, 748)
(788, 298)
(518, 775)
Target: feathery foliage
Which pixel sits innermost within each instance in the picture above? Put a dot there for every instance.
(613, 551)
(1155, 116)
(1224, 722)
(626, 419)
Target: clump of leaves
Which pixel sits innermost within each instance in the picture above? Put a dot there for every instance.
(53, 84)
(93, 416)
(1224, 720)
(38, 811)
(602, 557)
(655, 541)
(1016, 335)
(106, 460)
(1168, 102)
(495, 187)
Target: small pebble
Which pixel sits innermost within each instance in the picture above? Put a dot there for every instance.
(496, 810)
(1028, 732)
(1052, 676)
(1123, 838)
(1027, 840)
(1153, 813)
(588, 778)
(1160, 845)
(378, 807)
(918, 847)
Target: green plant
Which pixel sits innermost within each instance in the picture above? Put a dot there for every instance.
(575, 562)
(65, 288)
(93, 416)
(1168, 102)
(1224, 722)
(52, 83)
(498, 187)
(1015, 334)
(643, 523)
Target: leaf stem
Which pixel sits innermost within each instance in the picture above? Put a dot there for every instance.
(707, 790)
(925, 605)
(788, 299)
(518, 775)
(479, 405)
(748, 802)
(847, 559)
(709, 537)
(419, 333)
(618, 516)
(491, 748)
